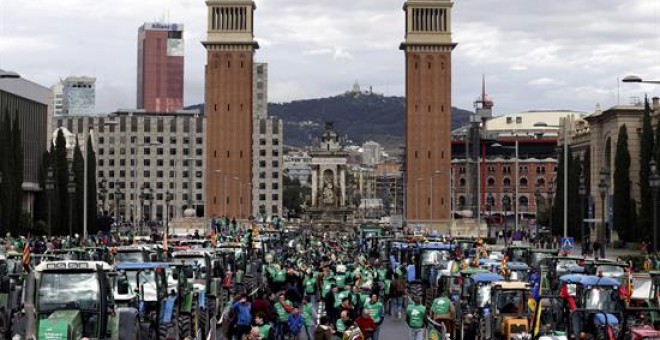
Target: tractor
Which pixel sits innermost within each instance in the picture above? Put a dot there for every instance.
(508, 315)
(11, 282)
(477, 302)
(131, 254)
(72, 300)
(143, 285)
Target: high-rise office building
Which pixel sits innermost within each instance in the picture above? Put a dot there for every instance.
(160, 67)
(139, 152)
(74, 96)
(230, 49)
(267, 142)
(428, 46)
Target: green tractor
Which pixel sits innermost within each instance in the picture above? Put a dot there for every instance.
(11, 282)
(187, 309)
(73, 299)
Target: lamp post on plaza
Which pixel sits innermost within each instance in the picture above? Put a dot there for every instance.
(72, 191)
(490, 201)
(103, 192)
(50, 186)
(506, 201)
(603, 186)
(582, 191)
(117, 199)
(168, 199)
(551, 195)
(654, 183)
(142, 197)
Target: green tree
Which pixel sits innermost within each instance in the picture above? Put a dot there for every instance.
(622, 204)
(78, 169)
(91, 186)
(645, 156)
(61, 195)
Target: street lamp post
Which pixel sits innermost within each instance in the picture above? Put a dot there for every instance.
(117, 199)
(654, 183)
(50, 186)
(602, 188)
(506, 201)
(168, 199)
(582, 191)
(72, 191)
(490, 200)
(551, 195)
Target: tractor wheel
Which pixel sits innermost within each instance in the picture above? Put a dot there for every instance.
(184, 326)
(165, 331)
(195, 315)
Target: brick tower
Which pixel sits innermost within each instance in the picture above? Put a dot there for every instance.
(230, 49)
(428, 48)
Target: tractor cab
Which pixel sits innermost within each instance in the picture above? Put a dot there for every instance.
(548, 321)
(479, 287)
(509, 319)
(600, 308)
(131, 254)
(73, 299)
(611, 269)
(518, 253)
(536, 256)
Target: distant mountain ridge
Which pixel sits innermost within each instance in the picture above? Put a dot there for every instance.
(358, 116)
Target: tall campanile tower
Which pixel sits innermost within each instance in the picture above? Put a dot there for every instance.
(230, 49)
(428, 48)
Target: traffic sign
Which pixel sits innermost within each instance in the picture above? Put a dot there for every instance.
(567, 243)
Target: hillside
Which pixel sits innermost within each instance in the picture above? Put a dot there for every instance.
(359, 117)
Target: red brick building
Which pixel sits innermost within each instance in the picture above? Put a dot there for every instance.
(230, 49)
(428, 47)
(160, 67)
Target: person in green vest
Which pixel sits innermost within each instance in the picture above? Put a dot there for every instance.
(416, 319)
(442, 311)
(283, 308)
(342, 324)
(309, 315)
(265, 329)
(344, 293)
(310, 284)
(377, 312)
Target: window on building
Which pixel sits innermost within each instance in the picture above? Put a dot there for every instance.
(507, 182)
(159, 185)
(198, 185)
(111, 173)
(276, 153)
(262, 186)
(198, 141)
(276, 164)
(147, 125)
(262, 174)
(101, 140)
(122, 162)
(262, 164)
(275, 174)
(184, 174)
(199, 152)
(160, 124)
(147, 151)
(198, 174)
(159, 151)
(172, 140)
(262, 142)
(262, 197)
(262, 153)
(159, 162)
(523, 182)
(172, 152)
(100, 151)
(462, 182)
(491, 182)
(101, 175)
(276, 142)
(276, 186)
(147, 173)
(159, 173)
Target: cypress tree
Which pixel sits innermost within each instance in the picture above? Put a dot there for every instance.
(557, 213)
(61, 195)
(91, 186)
(622, 204)
(78, 174)
(645, 155)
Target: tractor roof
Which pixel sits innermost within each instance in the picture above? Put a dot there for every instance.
(486, 277)
(592, 280)
(72, 266)
(131, 266)
(511, 285)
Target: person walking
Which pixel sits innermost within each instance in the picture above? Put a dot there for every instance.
(309, 315)
(377, 314)
(296, 324)
(242, 309)
(416, 319)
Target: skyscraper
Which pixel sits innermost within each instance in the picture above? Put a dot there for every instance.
(160, 67)
(230, 49)
(428, 48)
(74, 96)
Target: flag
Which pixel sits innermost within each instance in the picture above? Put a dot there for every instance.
(26, 254)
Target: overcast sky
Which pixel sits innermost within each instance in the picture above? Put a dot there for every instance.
(536, 54)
